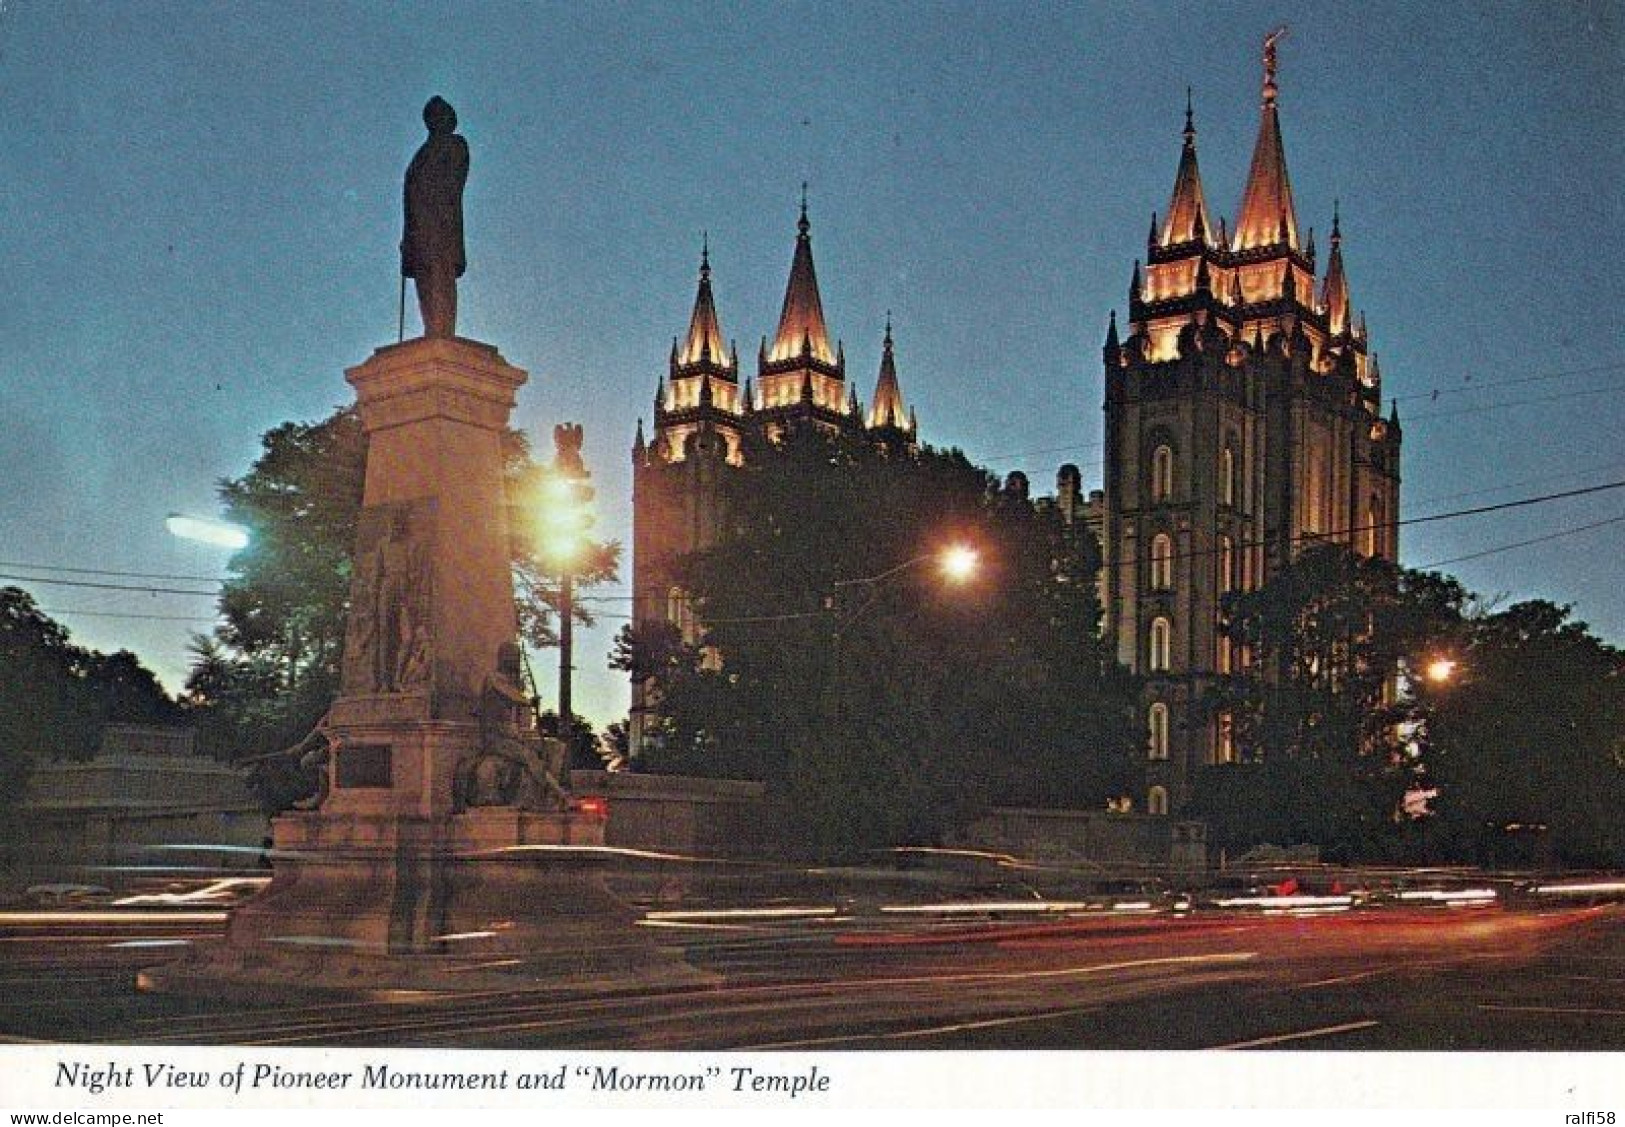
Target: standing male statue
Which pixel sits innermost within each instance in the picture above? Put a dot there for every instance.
(432, 243)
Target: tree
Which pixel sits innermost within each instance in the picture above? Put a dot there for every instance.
(1526, 738)
(272, 668)
(882, 704)
(1318, 711)
(285, 598)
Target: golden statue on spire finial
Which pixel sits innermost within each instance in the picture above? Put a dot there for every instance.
(1270, 41)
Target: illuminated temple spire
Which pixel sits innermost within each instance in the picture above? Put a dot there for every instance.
(887, 410)
(801, 324)
(1187, 210)
(1334, 294)
(704, 340)
(1267, 216)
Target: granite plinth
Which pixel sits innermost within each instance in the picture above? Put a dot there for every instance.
(489, 899)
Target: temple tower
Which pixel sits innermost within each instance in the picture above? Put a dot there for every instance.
(1243, 423)
(705, 423)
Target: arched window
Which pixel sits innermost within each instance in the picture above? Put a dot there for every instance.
(1224, 651)
(1227, 564)
(681, 614)
(1227, 474)
(1162, 645)
(1373, 523)
(1162, 473)
(1156, 723)
(1224, 741)
(1162, 562)
(1156, 801)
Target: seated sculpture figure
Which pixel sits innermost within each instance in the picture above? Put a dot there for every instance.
(506, 770)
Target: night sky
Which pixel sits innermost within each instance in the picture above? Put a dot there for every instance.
(201, 206)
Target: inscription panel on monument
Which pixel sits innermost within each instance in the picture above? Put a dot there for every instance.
(365, 766)
(388, 644)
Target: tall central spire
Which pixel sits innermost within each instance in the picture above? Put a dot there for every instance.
(1187, 210)
(1267, 215)
(704, 340)
(801, 324)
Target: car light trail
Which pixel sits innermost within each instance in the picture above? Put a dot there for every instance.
(977, 906)
(1592, 888)
(1283, 903)
(698, 915)
(214, 891)
(113, 917)
(1326, 1031)
(1442, 896)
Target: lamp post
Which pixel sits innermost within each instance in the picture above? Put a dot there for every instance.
(567, 518)
(957, 564)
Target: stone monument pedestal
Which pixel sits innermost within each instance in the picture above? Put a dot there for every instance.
(431, 864)
(378, 906)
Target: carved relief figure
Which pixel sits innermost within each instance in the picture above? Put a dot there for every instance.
(388, 646)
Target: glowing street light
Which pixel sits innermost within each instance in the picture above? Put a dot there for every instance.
(1440, 671)
(958, 563)
(566, 521)
(219, 533)
(566, 518)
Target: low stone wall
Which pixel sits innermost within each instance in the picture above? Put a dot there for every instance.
(1138, 840)
(680, 814)
(113, 809)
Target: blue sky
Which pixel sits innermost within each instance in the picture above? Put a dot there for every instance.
(201, 208)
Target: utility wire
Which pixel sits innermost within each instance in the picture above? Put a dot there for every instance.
(1558, 535)
(1319, 537)
(1506, 485)
(1485, 385)
(121, 614)
(108, 586)
(1483, 407)
(107, 571)
(1477, 385)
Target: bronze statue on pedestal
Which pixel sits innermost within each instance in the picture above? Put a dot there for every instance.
(432, 241)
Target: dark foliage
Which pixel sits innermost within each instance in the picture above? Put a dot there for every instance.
(884, 702)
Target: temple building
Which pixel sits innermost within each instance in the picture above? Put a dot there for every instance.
(702, 416)
(1243, 423)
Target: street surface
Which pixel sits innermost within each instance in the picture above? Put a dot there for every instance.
(1445, 966)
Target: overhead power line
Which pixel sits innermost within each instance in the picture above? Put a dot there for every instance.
(1430, 518)
(121, 614)
(107, 571)
(1470, 385)
(1481, 408)
(1557, 535)
(1430, 396)
(89, 585)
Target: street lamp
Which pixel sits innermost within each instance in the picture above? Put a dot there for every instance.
(566, 519)
(959, 563)
(1440, 670)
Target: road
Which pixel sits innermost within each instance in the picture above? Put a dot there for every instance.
(1482, 976)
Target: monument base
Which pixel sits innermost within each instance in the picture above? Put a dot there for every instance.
(489, 899)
